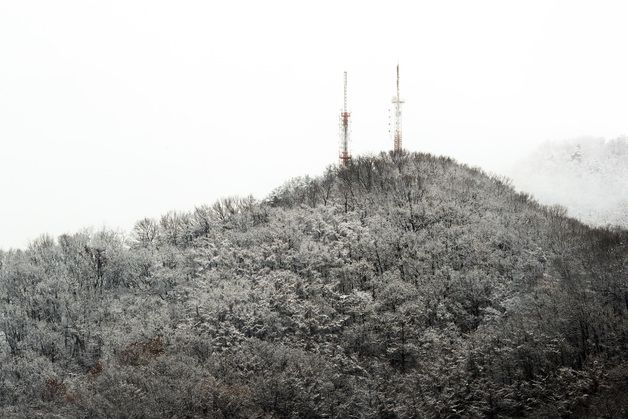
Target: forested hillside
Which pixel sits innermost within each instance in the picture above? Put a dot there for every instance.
(401, 286)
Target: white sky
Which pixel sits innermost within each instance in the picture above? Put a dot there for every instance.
(115, 110)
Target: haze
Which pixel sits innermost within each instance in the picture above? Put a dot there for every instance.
(113, 111)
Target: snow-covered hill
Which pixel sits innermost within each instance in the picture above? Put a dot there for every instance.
(588, 176)
(403, 285)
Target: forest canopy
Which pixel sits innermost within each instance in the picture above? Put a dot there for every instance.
(404, 285)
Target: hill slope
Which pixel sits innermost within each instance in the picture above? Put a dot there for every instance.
(401, 286)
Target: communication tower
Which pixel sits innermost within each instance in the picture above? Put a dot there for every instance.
(397, 102)
(345, 156)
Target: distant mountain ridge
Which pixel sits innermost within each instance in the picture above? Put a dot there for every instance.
(588, 176)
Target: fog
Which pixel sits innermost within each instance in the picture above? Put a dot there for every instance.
(588, 176)
(113, 111)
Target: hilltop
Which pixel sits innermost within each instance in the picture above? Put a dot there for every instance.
(401, 286)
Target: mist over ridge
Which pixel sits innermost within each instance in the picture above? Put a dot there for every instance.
(586, 175)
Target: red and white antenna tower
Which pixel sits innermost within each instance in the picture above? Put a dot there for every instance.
(345, 157)
(397, 110)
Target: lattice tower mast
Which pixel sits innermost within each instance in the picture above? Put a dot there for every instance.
(397, 102)
(345, 156)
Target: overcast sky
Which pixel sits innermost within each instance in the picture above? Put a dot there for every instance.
(111, 111)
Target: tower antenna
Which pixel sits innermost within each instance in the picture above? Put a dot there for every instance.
(397, 102)
(345, 156)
